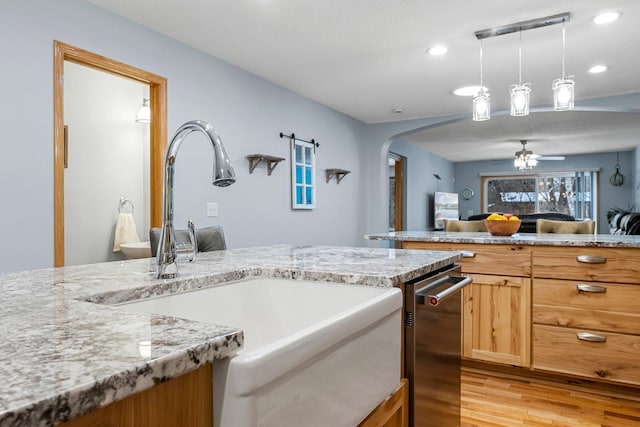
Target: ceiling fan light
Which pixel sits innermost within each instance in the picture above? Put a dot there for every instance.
(563, 94)
(520, 95)
(520, 163)
(532, 162)
(481, 106)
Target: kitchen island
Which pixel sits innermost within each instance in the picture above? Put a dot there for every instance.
(68, 351)
(557, 304)
(409, 238)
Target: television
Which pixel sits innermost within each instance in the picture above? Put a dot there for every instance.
(445, 206)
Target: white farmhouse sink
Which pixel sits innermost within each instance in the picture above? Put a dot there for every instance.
(315, 354)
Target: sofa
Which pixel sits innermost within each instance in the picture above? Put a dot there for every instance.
(528, 224)
(625, 223)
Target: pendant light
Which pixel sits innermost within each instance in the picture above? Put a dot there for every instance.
(481, 102)
(144, 112)
(617, 178)
(563, 93)
(520, 93)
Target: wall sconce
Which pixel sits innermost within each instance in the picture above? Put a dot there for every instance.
(144, 112)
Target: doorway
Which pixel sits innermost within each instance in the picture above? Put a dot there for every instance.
(157, 89)
(396, 192)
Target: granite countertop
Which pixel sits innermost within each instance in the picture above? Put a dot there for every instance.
(67, 350)
(590, 240)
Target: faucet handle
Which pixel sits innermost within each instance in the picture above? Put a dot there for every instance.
(192, 238)
(186, 251)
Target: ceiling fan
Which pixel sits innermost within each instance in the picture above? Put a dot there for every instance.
(525, 159)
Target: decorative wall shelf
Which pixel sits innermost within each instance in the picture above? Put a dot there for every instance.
(271, 161)
(338, 173)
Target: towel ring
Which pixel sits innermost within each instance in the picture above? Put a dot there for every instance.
(122, 205)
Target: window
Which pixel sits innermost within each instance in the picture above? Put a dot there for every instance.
(303, 175)
(570, 193)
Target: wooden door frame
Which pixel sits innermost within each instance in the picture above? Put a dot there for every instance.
(399, 175)
(399, 189)
(157, 130)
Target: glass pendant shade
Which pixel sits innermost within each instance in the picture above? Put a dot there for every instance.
(481, 106)
(563, 94)
(144, 112)
(520, 95)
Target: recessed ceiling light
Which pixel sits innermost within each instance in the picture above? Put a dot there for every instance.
(437, 50)
(469, 90)
(606, 17)
(596, 69)
(398, 110)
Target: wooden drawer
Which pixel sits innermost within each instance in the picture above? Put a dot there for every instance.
(561, 303)
(559, 350)
(503, 260)
(606, 264)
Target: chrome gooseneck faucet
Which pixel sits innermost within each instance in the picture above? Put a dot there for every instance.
(223, 176)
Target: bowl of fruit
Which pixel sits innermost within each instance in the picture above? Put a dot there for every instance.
(502, 225)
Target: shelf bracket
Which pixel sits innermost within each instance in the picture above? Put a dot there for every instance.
(271, 161)
(339, 174)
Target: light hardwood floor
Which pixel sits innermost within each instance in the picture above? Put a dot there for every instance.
(491, 401)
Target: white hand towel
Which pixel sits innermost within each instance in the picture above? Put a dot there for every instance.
(125, 231)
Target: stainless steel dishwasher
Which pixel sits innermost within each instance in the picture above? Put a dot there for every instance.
(433, 341)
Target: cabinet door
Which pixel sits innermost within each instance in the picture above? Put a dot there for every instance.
(497, 319)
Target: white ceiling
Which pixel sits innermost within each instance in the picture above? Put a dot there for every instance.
(367, 57)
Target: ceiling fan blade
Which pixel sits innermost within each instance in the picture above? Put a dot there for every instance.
(550, 158)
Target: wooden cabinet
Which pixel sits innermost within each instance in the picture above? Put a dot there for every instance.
(496, 319)
(586, 312)
(187, 401)
(182, 401)
(571, 310)
(393, 412)
(497, 306)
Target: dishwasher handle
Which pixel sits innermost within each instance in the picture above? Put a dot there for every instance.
(458, 282)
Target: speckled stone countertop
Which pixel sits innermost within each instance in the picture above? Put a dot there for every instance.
(597, 241)
(68, 351)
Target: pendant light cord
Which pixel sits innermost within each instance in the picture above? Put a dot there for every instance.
(481, 87)
(563, 49)
(520, 60)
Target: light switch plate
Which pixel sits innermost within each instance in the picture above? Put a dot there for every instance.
(212, 209)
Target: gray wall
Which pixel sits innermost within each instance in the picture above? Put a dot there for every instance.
(246, 110)
(421, 184)
(467, 175)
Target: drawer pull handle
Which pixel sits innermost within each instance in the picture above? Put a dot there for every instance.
(468, 254)
(591, 259)
(588, 336)
(594, 289)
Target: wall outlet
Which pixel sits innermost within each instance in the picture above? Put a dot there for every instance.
(212, 209)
